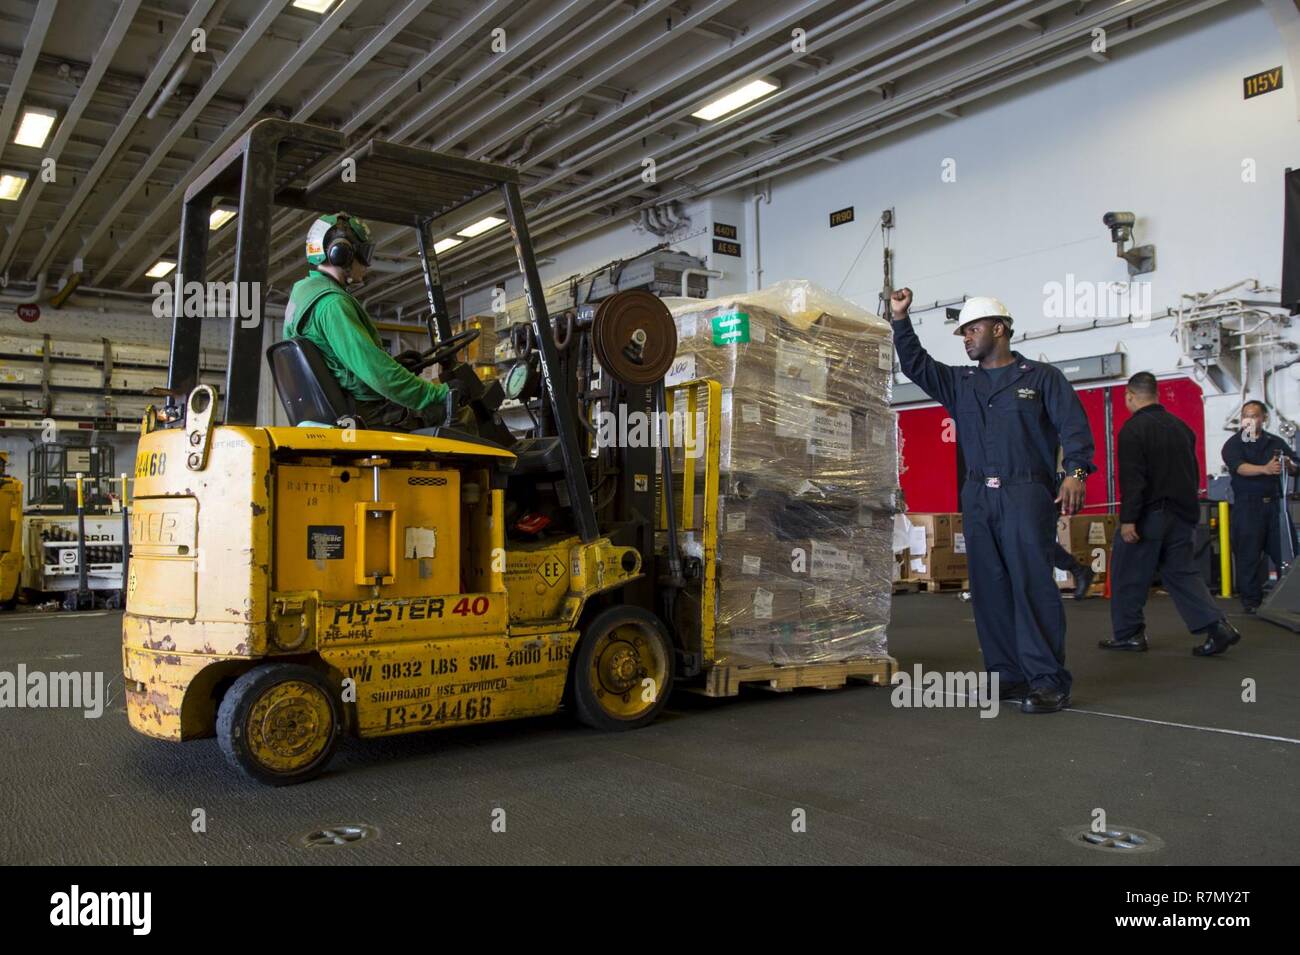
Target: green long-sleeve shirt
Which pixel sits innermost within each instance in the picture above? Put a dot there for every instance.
(321, 311)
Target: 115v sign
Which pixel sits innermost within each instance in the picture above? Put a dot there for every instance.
(1260, 83)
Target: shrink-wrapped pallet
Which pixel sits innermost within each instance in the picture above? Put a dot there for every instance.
(809, 474)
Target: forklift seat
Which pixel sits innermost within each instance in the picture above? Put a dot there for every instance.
(310, 393)
(538, 456)
(307, 389)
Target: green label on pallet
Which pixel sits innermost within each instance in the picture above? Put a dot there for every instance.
(731, 329)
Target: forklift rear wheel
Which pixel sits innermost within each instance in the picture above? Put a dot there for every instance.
(623, 670)
(279, 724)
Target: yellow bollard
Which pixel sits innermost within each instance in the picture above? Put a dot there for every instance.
(1225, 552)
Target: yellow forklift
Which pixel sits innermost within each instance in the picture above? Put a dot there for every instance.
(290, 584)
(11, 535)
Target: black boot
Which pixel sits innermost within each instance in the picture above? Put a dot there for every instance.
(1045, 700)
(1217, 639)
(1082, 581)
(1137, 641)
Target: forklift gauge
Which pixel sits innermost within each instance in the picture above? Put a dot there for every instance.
(519, 380)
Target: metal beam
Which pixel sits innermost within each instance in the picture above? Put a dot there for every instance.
(122, 129)
(359, 59)
(459, 36)
(103, 56)
(575, 474)
(580, 57)
(256, 202)
(440, 105)
(225, 69)
(264, 94)
(23, 71)
(187, 330)
(454, 40)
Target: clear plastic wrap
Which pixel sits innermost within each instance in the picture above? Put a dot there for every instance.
(809, 473)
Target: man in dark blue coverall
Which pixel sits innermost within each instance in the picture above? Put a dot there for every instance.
(1012, 414)
(1255, 459)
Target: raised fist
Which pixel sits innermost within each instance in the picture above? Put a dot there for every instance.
(900, 302)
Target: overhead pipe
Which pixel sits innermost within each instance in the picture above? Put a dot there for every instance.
(183, 64)
(35, 298)
(687, 273)
(764, 194)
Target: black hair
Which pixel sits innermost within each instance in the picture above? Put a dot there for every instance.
(1258, 404)
(1143, 384)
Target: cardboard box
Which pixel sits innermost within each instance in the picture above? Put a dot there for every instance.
(938, 547)
(1088, 538)
(744, 604)
(839, 559)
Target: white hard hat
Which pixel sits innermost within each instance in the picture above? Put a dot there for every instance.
(981, 307)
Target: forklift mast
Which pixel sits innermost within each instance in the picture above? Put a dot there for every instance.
(302, 166)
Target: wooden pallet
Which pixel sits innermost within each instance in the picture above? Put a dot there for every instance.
(945, 586)
(906, 586)
(727, 680)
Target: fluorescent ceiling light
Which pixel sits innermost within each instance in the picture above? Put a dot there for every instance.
(11, 184)
(478, 228)
(315, 6)
(732, 101)
(35, 126)
(444, 245)
(160, 269)
(219, 218)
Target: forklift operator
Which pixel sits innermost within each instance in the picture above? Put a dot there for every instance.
(322, 310)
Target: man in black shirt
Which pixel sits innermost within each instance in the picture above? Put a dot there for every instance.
(1255, 459)
(1158, 483)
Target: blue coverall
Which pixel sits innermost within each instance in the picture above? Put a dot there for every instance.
(1256, 521)
(1009, 436)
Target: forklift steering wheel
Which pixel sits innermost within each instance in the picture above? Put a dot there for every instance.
(440, 353)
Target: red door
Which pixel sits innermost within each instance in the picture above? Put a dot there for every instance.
(927, 456)
(928, 451)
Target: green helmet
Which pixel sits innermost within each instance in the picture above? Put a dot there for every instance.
(358, 245)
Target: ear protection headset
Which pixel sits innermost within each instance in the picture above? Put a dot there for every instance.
(342, 251)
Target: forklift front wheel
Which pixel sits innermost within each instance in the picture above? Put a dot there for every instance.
(279, 724)
(623, 670)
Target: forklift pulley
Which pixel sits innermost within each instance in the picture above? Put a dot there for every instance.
(634, 337)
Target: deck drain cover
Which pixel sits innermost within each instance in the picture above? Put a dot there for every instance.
(1120, 841)
(331, 836)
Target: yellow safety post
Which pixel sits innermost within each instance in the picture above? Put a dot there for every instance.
(1225, 552)
(83, 599)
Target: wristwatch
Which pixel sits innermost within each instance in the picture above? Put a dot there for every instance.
(1079, 474)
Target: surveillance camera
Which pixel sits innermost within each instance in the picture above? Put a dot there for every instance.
(1140, 259)
(1120, 225)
